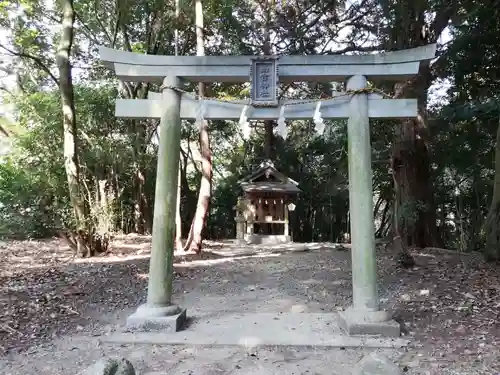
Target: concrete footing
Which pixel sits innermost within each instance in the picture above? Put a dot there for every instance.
(259, 330)
(363, 322)
(170, 318)
(376, 363)
(270, 239)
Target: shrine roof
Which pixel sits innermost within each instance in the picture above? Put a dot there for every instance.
(266, 178)
(275, 187)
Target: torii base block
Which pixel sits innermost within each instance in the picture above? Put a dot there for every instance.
(368, 323)
(150, 318)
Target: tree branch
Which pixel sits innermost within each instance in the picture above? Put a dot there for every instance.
(36, 59)
(89, 33)
(442, 19)
(101, 24)
(353, 48)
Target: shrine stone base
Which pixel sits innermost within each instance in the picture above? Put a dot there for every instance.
(251, 330)
(368, 323)
(260, 239)
(157, 318)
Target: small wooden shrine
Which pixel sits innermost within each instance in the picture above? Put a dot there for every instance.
(262, 213)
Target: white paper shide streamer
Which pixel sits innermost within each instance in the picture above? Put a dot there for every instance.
(282, 130)
(244, 123)
(318, 121)
(200, 114)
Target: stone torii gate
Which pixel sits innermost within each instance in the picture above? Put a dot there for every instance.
(358, 105)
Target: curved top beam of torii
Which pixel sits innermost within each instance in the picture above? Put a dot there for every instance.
(396, 66)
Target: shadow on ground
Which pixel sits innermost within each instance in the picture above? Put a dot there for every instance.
(450, 304)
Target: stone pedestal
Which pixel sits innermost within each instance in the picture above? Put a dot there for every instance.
(364, 322)
(159, 312)
(267, 239)
(157, 318)
(364, 317)
(240, 227)
(249, 228)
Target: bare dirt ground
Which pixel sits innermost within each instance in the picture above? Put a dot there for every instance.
(51, 305)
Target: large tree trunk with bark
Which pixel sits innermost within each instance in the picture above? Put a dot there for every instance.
(414, 211)
(194, 240)
(69, 126)
(84, 241)
(178, 220)
(416, 214)
(267, 49)
(139, 200)
(492, 223)
(139, 181)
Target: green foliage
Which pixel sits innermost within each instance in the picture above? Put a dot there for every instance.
(33, 191)
(26, 209)
(464, 129)
(118, 157)
(409, 213)
(34, 171)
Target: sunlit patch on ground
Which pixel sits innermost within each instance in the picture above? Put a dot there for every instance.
(449, 304)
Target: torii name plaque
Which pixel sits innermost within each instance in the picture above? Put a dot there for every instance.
(264, 81)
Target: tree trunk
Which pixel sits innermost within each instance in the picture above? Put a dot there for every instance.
(69, 125)
(267, 49)
(139, 198)
(178, 221)
(384, 220)
(492, 223)
(411, 171)
(415, 215)
(476, 221)
(194, 240)
(268, 145)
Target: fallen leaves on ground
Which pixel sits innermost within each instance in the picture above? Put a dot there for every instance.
(449, 303)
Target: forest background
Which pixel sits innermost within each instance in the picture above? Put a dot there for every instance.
(70, 168)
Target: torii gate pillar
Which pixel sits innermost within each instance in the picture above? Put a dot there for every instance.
(364, 316)
(159, 312)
